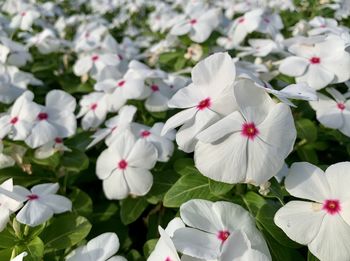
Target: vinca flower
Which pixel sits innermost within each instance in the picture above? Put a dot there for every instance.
(41, 203)
(322, 223)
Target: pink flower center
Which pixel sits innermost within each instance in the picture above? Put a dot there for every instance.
(121, 83)
(122, 164)
(145, 134)
(32, 197)
(120, 57)
(332, 206)
(42, 116)
(266, 20)
(341, 106)
(154, 88)
(241, 20)
(23, 13)
(193, 21)
(14, 120)
(203, 104)
(223, 235)
(93, 106)
(168, 259)
(58, 140)
(315, 60)
(249, 130)
(94, 58)
(87, 35)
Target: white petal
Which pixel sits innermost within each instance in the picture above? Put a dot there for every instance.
(178, 119)
(143, 155)
(57, 203)
(34, 213)
(82, 66)
(115, 186)
(60, 100)
(103, 246)
(294, 66)
(139, 180)
(107, 162)
(197, 243)
(307, 181)
(300, 220)
(45, 189)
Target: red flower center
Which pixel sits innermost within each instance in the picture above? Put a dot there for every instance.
(122, 164)
(121, 83)
(168, 259)
(154, 88)
(120, 57)
(193, 21)
(23, 13)
(249, 130)
(58, 140)
(93, 106)
(266, 20)
(315, 60)
(145, 134)
(241, 20)
(42, 116)
(341, 106)
(94, 58)
(223, 235)
(32, 197)
(332, 206)
(203, 104)
(14, 120)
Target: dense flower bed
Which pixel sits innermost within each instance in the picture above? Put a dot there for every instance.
(173, 130)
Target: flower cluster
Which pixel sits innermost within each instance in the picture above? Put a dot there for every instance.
(206, 118)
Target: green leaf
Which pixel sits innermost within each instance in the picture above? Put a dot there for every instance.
(280, 252)
(7, 239)
(162, 182)
(134, 255)
(149, 246)
(311, 257)
(188, 187)
(34, 249)
(167, 57)
(22, 178)
(79, 141)
(219, 188)
(307, 153)
(180, 63)
(65, 231)
(185, 166)
(82, 203)
(75, 161)
(254, 202)
(275, 190)
(306, 129)
(5, 254)
(52, 161)
(265, 217)
(132, 208)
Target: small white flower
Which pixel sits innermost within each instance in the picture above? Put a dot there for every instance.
(41, 203)
(124, 167)
(100, 248)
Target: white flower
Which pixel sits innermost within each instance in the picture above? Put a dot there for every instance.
(7, 204)
(159, 95)
(163, 144)
(118, 92)
(13, 53)
(41, 203)
(240, 28)
(46, 41)
(318, 64)
(115, 126)
(218, 230)
(55, 119)
(198, 24)
(259, 48)
(208, 98)
(254, 140)
(50, 148)
(24, 19)
(100, 248)
(94, 63)
(20, 257)
(124, 167)
(322, 223)
(18, 123)
(165, 249)
(333, 113)
(94, 109)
